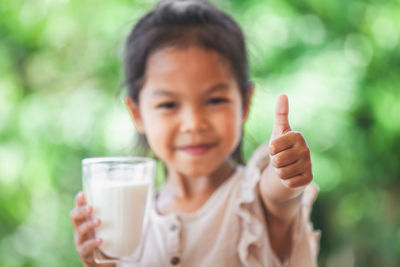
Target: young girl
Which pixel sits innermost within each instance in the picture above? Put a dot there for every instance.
(189, 94)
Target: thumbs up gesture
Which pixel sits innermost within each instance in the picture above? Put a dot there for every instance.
(290, 155)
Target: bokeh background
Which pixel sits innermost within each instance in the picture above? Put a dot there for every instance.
(338, 61)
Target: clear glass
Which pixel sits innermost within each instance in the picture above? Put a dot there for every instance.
(120, 189)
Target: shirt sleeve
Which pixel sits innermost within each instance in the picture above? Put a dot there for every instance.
(305, 239)
(254, 247)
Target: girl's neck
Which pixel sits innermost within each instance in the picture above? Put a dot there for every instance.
(188, 194)
(182, 187)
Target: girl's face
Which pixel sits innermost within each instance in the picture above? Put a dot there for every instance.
(190, 110)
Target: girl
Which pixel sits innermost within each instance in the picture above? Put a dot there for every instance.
(189, 94)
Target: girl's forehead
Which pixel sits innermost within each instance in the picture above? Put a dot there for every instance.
(182, 67)
(192, 58)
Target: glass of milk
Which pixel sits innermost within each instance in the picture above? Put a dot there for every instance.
(120, 190)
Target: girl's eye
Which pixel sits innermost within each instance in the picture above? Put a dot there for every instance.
(167, 105)
(217, 100)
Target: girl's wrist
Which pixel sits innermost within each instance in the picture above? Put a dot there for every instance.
(275, 190)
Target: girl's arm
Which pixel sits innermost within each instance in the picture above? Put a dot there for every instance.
(284, 179)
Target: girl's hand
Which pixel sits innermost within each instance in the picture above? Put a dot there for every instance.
(290, 155)
(84, 226)
(284, 179)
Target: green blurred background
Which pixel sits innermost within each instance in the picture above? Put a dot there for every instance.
(337, 60)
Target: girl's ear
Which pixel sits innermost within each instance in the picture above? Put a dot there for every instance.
(133, 109)
(247, 102)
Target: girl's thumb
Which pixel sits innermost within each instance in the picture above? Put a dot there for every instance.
(281, 123)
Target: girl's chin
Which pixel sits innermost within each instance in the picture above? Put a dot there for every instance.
(196, 170)
(195, 166)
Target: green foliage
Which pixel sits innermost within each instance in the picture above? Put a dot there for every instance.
(338, 61)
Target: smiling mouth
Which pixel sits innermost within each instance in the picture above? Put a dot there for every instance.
(197, 149)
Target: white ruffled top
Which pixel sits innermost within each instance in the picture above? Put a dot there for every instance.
(229, 229)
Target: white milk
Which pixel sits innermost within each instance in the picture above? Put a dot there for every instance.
(120, 207)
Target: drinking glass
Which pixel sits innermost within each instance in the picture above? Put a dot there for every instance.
(120, 190)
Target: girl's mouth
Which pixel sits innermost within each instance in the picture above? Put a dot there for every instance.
(198, 149)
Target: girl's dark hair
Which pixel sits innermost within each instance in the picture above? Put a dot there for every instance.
(182, 23)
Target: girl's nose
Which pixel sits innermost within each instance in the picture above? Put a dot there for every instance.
(193, 121)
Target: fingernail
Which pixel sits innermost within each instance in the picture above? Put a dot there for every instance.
(88, 209)
(96, 221)
(98, 240)
(285, 183)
